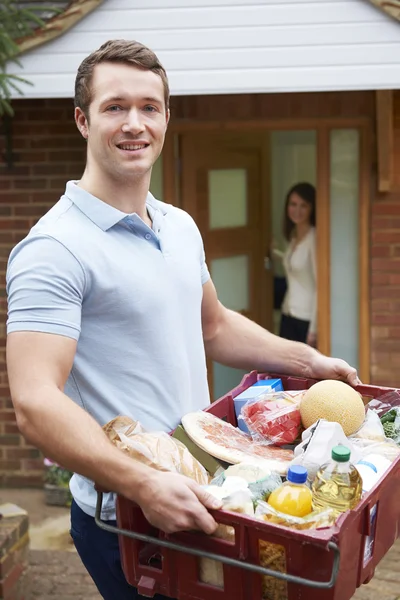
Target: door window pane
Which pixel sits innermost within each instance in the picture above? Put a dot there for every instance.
(227, 193)
(344, 192)
(231, 279)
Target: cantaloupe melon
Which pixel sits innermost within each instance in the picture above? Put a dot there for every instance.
(334, 401)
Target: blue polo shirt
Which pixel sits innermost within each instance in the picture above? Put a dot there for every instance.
(131, 296)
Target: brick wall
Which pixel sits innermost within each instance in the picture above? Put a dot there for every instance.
(48, 151)
(385, 274)
(14, 548)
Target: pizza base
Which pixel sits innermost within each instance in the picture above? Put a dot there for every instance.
(227, 443)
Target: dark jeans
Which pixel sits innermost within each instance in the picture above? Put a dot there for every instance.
(99, 552)
(294, 329)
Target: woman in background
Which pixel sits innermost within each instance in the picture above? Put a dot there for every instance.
(299, 307)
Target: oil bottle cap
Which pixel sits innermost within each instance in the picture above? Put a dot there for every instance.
(341, 453)
(297, 474)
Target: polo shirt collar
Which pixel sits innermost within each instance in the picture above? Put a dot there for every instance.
(100, 213)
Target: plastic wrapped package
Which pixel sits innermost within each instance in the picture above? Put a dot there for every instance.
(274, 419)
(389, 449)
(318, 519)
(155, 449)
(391, 424)
(371, 429)
(261, 482)
(385, 402)
(316, 446)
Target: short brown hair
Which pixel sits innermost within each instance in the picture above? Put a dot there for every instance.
(117, 51)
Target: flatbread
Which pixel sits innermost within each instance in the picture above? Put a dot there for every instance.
(227, 443)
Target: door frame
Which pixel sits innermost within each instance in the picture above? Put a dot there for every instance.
(322, 126)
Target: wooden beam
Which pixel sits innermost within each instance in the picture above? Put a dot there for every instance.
(384, 135)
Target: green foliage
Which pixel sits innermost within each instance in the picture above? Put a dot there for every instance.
(56, 475)
(15, 23)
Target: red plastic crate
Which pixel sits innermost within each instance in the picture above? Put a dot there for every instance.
(360, 538)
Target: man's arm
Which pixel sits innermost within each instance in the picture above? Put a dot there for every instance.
(234, 340)
(38, 366)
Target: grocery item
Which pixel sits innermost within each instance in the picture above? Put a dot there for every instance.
(293, 497)
(371, 468)
(227, 443)
(338, 484)
(316, 446)
(261, 482)
(155, 449)
(255, 392)
(371, 429)
(389, 449)
(384, 403)
(273, 556)
(275, 418)
(322, 517)
(210, 463)
(333, 401)
(391, 424)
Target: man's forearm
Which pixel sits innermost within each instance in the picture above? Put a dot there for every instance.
(70, 436)
(241, 343)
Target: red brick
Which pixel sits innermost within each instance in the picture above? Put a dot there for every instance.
(381, 251)
(19, 453)
(386, 209)
(11, 579)
(11, 428)
(27, 480)
(385, 223)
(385, 264)
(7, 415)
(386, 237)
(30, 184)
(10, 465)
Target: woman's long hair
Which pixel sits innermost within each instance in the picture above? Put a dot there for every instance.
(306, 191)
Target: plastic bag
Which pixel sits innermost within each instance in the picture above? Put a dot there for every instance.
(274, 419)
(391, 424)
(389, 449)
(371, 429)
(316, 446)
(324, 517)
(384, 403)
(155, 449)
(261, 482)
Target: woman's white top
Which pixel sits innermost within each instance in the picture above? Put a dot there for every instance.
(300, 265)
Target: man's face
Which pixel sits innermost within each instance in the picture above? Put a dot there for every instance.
(127, 120)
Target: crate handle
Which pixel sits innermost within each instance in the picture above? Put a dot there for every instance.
(223, 559)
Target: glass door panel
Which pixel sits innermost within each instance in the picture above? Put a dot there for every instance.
(344, 244)
(293, 159)
(227, 190)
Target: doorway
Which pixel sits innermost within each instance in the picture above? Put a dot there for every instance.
(234, 184)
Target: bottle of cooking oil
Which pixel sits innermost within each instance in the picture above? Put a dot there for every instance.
(338, 484)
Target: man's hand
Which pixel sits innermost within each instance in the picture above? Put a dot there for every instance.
(324, 367)
(173, 502)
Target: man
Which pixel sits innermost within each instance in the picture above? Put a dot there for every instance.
(110, 308)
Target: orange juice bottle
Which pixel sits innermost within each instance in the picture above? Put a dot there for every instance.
(293, 497)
